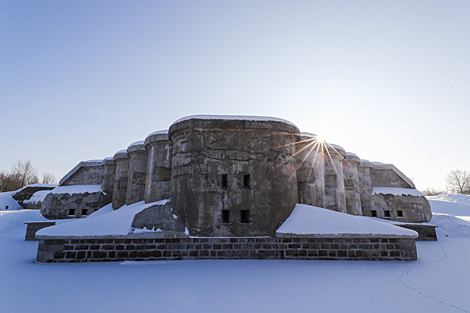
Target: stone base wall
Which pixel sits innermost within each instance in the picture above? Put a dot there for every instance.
(102, 250)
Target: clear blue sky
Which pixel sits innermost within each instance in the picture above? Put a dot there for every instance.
(387, 80)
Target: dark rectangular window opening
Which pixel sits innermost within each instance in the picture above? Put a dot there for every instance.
(84, 211)
(386, 213)
(373, 213)
(246, 181)
(224, 181)
(72, 212)
(225, 216)
(244, 216)
(6, 207)
(399, 213)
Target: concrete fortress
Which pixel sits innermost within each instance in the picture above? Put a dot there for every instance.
(236, 176)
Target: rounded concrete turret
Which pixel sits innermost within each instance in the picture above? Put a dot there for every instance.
(335, 197)
(234, 175)
(160, 152)
(351, 184)
(109, 175)
(365, 186)
(138, 161)
(120, 180)
(310, 170)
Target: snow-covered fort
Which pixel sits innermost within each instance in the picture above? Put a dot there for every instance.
(233, 187)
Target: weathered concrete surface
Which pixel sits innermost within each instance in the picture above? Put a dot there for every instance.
(365, 186)
(351, 184)
(335, 197)
(159, 218)
(310, 171)
(233, 177)
(109, 175)
(414, 209)
(160, 153)
(33, 227)
(62, 206)
(387, 175)
(138, 159)
(84, 173)
(120, 181)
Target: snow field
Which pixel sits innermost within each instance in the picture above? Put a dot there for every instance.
(437, 282)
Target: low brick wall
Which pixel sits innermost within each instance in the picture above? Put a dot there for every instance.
(101, 250)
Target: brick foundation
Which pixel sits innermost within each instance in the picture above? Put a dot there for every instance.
(102, 250)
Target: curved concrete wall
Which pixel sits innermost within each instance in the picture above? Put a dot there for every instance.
(121, 178)
(234, 177)
(310, 171)
(335, 196)
(351, 184)
(160, 153)
(138, 160)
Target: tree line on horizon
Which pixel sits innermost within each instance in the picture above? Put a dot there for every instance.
(22, 174)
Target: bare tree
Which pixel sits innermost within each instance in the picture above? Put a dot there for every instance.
(431, 191)
(20, 175)
(48, 178)
(459, 181)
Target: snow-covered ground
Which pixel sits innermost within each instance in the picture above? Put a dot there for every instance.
(437, 282)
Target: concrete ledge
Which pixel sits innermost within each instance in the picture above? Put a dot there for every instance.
(427, 232)
(112, 249)
(33, 227)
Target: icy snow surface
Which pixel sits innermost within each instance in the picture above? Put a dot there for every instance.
(436, 283)
(76, 189)
(396, 191)
(234, 117)
(307, 219)
(116, 222)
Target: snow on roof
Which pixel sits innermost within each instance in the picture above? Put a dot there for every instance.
(76, 189)
(38, 196)
(396, 191)
(235, 117)
(7, 202)
(137, 143)
(159, 132)
(114, 223)
(318, 222)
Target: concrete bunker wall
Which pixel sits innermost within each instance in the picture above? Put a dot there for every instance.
(160, 154)
(85, 173)
(233, 177)
(310, 171)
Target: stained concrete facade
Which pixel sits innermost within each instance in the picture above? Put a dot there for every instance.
(137, 172)
(232, 176)
(160, 155)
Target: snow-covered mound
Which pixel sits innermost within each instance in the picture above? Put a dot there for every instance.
(7, 202)
(38, 196)
(12, 222)
(450, 226)
(452, 197)
(310, 220)
(454, 204)
(114, 223)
